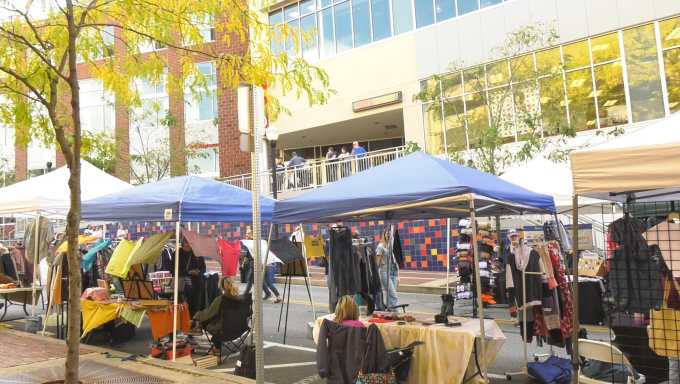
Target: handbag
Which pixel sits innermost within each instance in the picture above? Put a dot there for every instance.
(245, 365)
(375, 378)
(664, 326)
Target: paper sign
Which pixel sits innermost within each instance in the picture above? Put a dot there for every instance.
(168, 214)
(263, 247)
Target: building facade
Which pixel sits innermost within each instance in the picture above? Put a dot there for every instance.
(617, 65)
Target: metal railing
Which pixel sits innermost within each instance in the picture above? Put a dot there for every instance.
(314, 174)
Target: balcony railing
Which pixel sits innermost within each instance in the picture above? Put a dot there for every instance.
(315, 174)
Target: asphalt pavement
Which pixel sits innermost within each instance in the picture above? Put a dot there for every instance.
(295, 361)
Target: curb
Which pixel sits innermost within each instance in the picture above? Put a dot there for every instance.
(400, 288)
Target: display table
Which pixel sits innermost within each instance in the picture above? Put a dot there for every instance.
(161, 318)
(18, 295)
(447, 352)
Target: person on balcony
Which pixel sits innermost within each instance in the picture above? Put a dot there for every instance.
(332, 165)
(359, 153)
(295, 164)
(344, 160)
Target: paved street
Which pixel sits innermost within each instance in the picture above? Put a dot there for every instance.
(295, 362)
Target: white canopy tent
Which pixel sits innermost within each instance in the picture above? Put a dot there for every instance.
(49, 194)
(541, 175)
(644, 162)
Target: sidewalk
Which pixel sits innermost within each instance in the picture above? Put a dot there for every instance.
(411, 281)
(28, 358)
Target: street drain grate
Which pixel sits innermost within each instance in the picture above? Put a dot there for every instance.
(90, 373)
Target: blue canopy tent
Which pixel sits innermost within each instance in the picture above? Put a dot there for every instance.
(416, 186)
(186, 198)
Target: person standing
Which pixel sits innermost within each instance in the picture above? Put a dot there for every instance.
(251, 273)
(190, 269)
(97, 232)
(121, 232)
(332, 166)
(359, 153)
(88, 231)
(280, 173)
(296, 164)
(346, 167)
(388, 279)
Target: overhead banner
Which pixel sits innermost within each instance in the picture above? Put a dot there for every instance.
(534, 234)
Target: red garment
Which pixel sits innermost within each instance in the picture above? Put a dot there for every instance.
(230, 255)
(162, 321)
(567, 315)
(380, 321)
(673, 301)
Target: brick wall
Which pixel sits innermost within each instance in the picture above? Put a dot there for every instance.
(20, 164)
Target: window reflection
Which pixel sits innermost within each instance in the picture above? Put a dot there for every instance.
(403, 16)
(291, 49)
(343, 27)
(670, 32)
(474, 79)
(497, 74)
(605, 48)
(362, 22)
(452, 85)
(467, 6)
(434, 135)
(274, 19)
(522, 68)
(553, 105)
(548, 61)
(488, 3)
(576, 55)
(611, 96)
(502, 116)
(526, 111)
(310, 52)
(327, 33)
(454, 122)
(382, 25)
(644, 79)
(307, 6)
(477, 119)
(446, 9)
(671, 59)
(581, 99)
(424, 13)
(291, 12)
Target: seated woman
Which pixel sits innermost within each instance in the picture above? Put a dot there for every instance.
(211, 318)
(347, 312)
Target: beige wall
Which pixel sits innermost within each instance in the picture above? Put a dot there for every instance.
(372, 71)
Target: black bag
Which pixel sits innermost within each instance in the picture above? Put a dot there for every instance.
(321, 262)
(246, 363)
(448, 302)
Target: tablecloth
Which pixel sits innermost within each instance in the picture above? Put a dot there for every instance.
(447, 352)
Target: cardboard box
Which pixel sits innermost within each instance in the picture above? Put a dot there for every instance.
(591, 267)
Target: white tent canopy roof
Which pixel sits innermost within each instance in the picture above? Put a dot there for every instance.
(50, 193)
(541, 175)
(642, 160)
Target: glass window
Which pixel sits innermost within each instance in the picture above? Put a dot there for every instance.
(477, 119)
(581, 99)
(497, 74)
(403, 16)
(324, 3)
(310, 52)
(153, 110)
(670, 32)
(291, 12)
(488, 3)
(290, 42)
(362, 22)
(522, 68)
(553, 105)
(343, 26)
(327, 33)
(434, 135)
(274, 19)
(200, 108)
(456, 135)
(526, 111)
(644, 79)
(548, 61)
(671, 59)
(307, 6)
(611, 96)
(207, 162)
(576, 55)
(605, 48)
(207, 69)
(452, 84)
(474, 80)
(446, 9)
(467, 6)
(382, 25)
(500, 103)
(424, 13)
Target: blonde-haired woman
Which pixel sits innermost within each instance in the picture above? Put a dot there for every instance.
(347, 312)
(211, 318)
(389, 284)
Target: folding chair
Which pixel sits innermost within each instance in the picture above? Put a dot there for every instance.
(607, 353)
(236, 317)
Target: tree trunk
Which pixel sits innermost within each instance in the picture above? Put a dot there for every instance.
(72, 155)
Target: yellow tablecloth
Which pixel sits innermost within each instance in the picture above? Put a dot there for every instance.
(447, 352)
(96, 314)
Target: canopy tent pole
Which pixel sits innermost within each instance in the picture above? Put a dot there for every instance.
(176, 295)
(311, 299)
(35, 258)
(478, 286)
(448, 255)
(389, 266)
(574, 337)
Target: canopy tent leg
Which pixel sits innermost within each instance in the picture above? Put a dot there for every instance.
(575, 364)
(176, 293)
(448, 256)
(478, 286)
(307, 283)
(35, 259)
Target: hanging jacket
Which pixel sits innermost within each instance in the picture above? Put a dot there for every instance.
(396, 250)
(375, 357)
(342, 279)
(339, 352)
(634, 280)
(45, 236)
